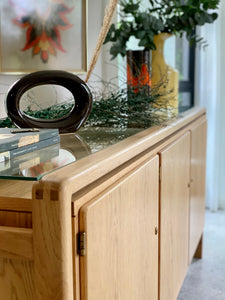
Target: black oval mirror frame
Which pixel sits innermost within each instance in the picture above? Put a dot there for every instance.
(72, 121)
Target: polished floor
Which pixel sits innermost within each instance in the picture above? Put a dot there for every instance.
(205, 279)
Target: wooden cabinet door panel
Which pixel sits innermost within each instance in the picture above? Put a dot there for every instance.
(121, 262)
(197, 198)
(16, 279)
(174, 216)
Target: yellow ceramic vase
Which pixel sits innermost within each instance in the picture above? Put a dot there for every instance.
(164, 79)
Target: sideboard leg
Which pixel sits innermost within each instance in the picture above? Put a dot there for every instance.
(52, 233)
(199, 250)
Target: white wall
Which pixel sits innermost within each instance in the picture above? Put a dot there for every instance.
(5, 82)
(221, 197)
(209, 92)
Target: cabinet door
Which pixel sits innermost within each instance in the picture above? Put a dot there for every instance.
(197, 198)
(174, 216)
(121, 260)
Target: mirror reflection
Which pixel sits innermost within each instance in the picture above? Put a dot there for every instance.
(47, 101)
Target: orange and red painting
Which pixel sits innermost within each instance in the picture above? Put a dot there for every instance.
(43, 26)
(42, 34)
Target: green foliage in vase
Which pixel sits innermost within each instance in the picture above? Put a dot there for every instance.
(182, 16)
(123, 108)
(172, 16)
(134, 22)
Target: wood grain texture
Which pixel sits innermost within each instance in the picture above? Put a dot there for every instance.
(16, 188)
(16, 280)
(92, 189)
(52, 235)
(76, 259)
(16, 243)
(197, 198)
(15, 219)
(122, 248)
(15, 204)
(174, 216)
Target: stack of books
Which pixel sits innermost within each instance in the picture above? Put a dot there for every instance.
(33, 163)
(16, 142)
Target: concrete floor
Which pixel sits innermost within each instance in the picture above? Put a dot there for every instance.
(205, 279)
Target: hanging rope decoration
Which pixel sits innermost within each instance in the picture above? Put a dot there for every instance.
(102, 35)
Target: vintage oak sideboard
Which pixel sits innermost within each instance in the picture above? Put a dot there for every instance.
(121, 224)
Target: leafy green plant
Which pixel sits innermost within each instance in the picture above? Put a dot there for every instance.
(6, 123)
(122, 108)
(51, 113)
(182, 16)
(171, 16)
(134, 22)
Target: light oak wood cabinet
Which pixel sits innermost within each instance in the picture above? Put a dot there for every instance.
(120, 224)
(174, 216)
(121, 260)
(197, 181)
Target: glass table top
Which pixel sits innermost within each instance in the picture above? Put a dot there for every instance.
(72, 147)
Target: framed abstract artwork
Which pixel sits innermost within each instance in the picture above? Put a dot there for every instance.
(43, 34)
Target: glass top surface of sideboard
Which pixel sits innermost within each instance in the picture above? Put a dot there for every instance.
(72, 147)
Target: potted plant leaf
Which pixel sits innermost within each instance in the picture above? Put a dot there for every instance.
(151, 24)
(180, 17)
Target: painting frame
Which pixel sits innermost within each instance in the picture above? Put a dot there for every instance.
(68, 50)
